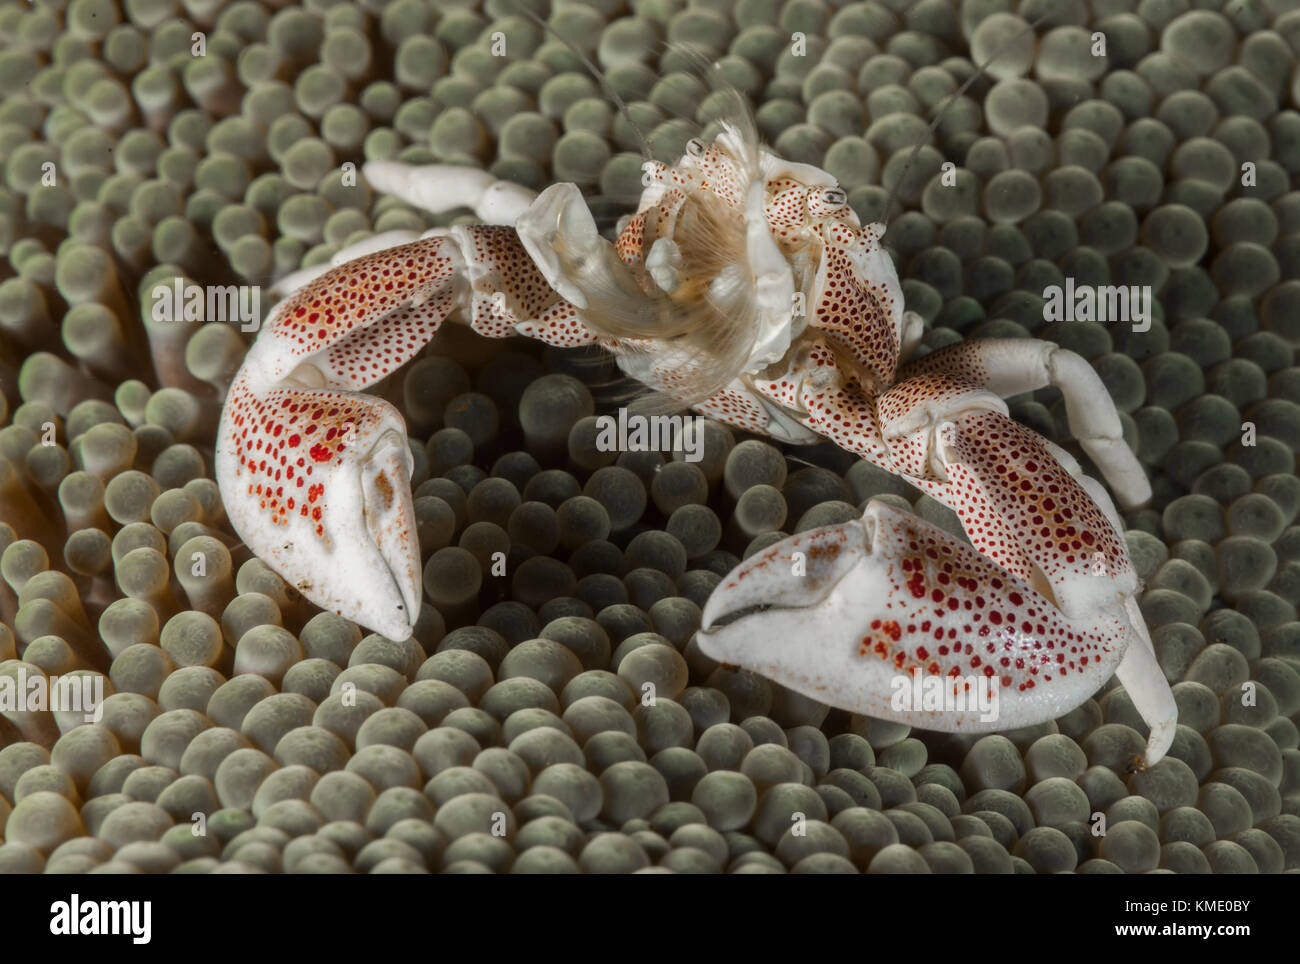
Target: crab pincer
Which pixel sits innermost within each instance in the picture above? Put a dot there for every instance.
(893, 617)
(744, 287)
(315, 474)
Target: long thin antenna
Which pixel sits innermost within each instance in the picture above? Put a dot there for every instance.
(934, 125)
(595, 72)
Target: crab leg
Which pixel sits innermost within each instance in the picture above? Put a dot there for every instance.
(315, 475)
(437, 188)
(1010, 366)
(1031, 517)
(440, 188)
(832, 407)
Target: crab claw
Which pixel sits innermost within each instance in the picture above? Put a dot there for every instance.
(317, 483)
(892, 617)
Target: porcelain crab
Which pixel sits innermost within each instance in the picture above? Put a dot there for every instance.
(746, 288)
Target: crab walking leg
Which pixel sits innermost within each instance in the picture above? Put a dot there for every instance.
(863, 615)
(440, 188)
(437, 188)
(1146, 685)
(314, 475)
(1010, 366)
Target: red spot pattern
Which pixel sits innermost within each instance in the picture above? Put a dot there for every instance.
(786, 212)
(1016, 502)
(735, 409)
(857, 315)
(711, 169)
(834, 405)
(368, 354)
(354, 296)
(935, 389)
(952, 612)
(510, 294)
(282, 436)
(370, 316)
(631, 240)
(964, 360)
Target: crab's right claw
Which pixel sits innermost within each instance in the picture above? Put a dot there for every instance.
(850, 614)
(317, 483)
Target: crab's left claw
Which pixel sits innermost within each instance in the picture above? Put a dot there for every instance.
(853, 614)
(318, 485)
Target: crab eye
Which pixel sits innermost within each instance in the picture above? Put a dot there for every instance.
(834, 197)
(695, 147)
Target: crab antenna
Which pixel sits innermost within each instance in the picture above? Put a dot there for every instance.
(739, 114)
(595, 72)
(934, 125)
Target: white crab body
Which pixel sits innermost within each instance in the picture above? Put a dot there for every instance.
(746, 288)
